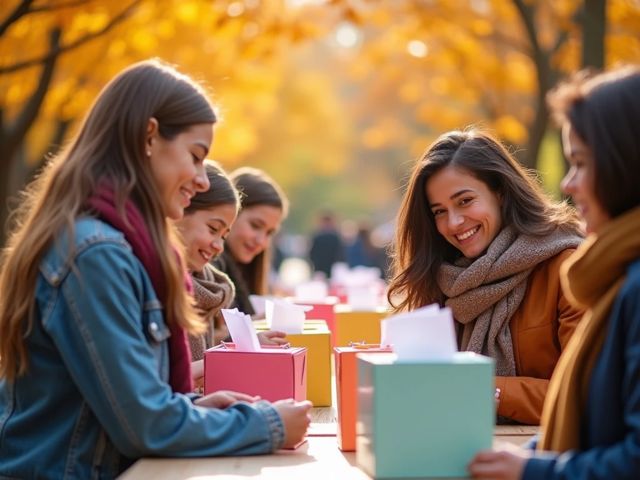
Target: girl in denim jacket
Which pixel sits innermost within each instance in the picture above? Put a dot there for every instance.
(94, 313)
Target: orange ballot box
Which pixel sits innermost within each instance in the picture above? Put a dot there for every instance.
(316, 338)
(347, 391)
(274, 373)
(358, 324)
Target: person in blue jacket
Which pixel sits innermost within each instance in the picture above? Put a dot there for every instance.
(94, 303)
(590, 425)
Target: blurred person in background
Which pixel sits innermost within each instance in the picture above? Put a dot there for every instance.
(327, 247)
(362, 251)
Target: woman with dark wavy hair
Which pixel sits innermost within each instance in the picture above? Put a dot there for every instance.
(477, 234)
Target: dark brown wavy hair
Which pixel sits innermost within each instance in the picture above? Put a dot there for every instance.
(419, 249)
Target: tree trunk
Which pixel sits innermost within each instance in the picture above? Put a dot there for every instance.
(593, 19)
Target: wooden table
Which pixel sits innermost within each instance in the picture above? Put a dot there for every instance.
(318, 458)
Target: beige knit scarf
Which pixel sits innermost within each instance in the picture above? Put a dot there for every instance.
(485, 292)
(213, 291)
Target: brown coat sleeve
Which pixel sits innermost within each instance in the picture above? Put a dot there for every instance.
(540, 330)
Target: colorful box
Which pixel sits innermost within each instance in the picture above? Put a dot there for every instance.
(357, 325)
(423, 419)
(347, 392)
(274, 373)
(316, 338)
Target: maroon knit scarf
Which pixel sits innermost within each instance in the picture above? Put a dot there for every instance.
(137, 234)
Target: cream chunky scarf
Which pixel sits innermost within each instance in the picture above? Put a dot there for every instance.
(213, 291)
(485, 292)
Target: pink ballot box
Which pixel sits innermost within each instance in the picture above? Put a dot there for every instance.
(274, 373)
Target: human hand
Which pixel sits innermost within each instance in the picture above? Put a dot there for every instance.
(224, 399)
(505, 463)
(220, 333)
(272, 337)
(295, 418)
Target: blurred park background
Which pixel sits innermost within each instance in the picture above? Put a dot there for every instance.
(334, 98)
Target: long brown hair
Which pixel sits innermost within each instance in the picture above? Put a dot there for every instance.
(257, 188)
(419, 249)
(110, 145)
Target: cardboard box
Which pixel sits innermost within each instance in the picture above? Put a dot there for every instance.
(274, 373)
(356, 325)
(347, 392)
(423, 419)
(316, 338)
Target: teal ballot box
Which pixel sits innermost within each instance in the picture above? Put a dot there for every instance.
(423, 418)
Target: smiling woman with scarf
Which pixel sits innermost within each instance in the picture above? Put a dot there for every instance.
(477, 234)
(94, 309)
(591, 419)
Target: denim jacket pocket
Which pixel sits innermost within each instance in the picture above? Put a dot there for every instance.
(157, 332)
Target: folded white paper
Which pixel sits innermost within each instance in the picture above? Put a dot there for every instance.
(285, 316)
(424, 334)
(242, 331)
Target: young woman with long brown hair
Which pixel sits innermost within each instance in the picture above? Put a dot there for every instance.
(476, 233)
(247, 255)
(94, 310)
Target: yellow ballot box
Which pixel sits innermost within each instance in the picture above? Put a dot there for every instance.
(358, 325)
(317, 339)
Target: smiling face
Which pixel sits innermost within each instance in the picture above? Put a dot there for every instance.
(466, 212)
(253, 231)
(177, 165)
(579, 182)
(204, 232)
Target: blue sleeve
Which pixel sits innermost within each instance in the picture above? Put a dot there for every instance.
(113, 365)
(621, 460)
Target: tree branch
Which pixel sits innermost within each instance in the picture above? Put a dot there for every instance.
(65, 48)
(17, 131)
(21, 10)
(58, 6)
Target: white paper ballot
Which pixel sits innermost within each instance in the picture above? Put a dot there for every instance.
(313, 291)
(362, 297)
(285, 316)
(258, 304)
(424, 334)
(242, 331)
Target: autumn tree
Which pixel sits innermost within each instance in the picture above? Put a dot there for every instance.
(56, 55)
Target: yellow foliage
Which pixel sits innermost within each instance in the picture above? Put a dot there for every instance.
(511, 129)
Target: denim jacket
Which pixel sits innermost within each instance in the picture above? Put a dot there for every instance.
(95, 397)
